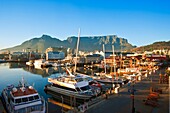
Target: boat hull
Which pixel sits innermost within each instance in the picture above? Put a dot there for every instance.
(69, 93)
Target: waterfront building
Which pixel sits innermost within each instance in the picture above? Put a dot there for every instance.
(95, 58)
(54, 53)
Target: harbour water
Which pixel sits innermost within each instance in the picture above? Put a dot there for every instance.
(11, 73)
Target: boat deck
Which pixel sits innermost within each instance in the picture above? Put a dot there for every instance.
(27, 91)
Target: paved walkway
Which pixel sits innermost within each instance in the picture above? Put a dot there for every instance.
(122, 102)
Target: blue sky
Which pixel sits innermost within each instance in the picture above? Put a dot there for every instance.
(142, 22)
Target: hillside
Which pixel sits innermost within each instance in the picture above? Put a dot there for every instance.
(154, 46)
(86, 43)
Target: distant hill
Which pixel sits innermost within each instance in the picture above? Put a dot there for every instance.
(154, 46)
(89, 43)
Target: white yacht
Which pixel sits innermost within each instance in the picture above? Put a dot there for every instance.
(22, 99)
(72, 85)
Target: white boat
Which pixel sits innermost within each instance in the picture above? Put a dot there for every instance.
(82, 95)
(38, 63)
(22, 99)
(30, 63)
(72, 85)
(41, 63)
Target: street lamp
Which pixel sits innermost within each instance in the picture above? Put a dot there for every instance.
(132, 91)
(62, 102)
(133, 105)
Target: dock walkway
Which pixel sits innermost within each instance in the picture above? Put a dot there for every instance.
(122, 102)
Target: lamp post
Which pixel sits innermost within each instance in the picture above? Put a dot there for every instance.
(133, 105)
(62, 103)
(133, 98)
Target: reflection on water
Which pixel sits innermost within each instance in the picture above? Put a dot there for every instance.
(65, 103)
(44, 72)
(11, 73)
(16, 65)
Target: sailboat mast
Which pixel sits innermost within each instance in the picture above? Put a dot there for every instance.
(114, 63)
(78, 40)
(104, 59)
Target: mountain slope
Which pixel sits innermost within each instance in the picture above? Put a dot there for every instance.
(154, 46)
(86, 43)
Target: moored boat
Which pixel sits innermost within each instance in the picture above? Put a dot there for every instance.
(22, 99)
(41, 63)
(30, 63)
(82, 93)
(72, 85)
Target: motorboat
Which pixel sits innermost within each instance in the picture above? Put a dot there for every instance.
(80, 92)
(22, 99)
(72, 85)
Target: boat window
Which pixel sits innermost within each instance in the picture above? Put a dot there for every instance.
(36, 97)
(24, 99)
(85, 88)
(89, 79)
(86, 79)
(79, 79)
(18, 100)
(31, 98)
(77, 89)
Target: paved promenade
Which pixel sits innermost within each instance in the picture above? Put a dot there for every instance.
(122, 102)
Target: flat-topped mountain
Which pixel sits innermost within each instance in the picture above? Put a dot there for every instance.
(87, 43)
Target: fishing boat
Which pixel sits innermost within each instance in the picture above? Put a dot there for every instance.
(22, 99)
